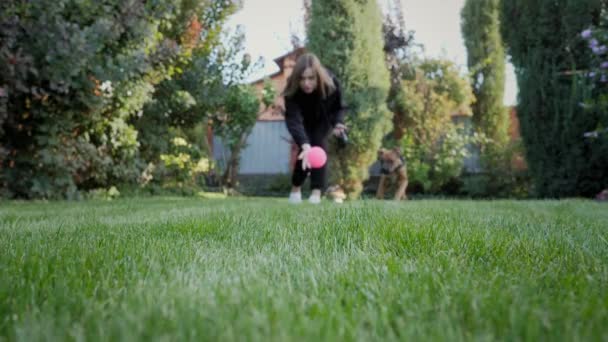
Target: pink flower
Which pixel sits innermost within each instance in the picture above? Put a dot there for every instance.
(2, 92)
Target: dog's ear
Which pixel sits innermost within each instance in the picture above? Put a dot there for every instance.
(380, 153)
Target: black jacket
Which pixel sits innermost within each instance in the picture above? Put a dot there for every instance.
(310, 117)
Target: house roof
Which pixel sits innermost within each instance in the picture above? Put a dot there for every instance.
(279, 62)
(297, 52)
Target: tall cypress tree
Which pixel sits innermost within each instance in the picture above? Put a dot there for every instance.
(551, 59)
(347, 37)
(486, 60)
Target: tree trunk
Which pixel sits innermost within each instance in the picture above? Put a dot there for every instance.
(230, 177)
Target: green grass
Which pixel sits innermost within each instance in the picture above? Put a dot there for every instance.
(261, 270)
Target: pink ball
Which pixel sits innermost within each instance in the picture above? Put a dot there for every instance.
(317, 157)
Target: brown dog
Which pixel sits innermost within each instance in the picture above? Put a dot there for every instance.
(391, 163)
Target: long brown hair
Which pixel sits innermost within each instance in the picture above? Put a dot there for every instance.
(325, 84)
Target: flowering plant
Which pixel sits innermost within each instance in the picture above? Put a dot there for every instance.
(597, 100)
(597, 39)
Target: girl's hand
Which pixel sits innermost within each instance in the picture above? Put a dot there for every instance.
(339, 129)
(304, 156)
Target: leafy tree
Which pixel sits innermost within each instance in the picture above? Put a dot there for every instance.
(233, 124)
(73, 74)
(215, 92)
(189, 97)
(434, 147)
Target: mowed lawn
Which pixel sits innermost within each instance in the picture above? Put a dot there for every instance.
(177, 269)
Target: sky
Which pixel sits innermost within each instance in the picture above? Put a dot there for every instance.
(268, 25)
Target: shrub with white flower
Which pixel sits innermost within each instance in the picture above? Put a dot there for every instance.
(184, 166)
(107, 89)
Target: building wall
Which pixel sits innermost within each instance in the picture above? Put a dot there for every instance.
(267, 150)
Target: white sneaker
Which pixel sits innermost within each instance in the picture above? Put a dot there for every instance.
(295, 197)
(314, 199)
